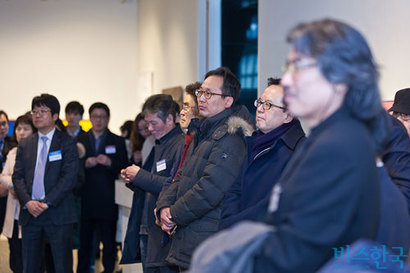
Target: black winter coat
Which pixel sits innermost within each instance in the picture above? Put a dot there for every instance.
(195, 196)
(328, 196)
(248, 197)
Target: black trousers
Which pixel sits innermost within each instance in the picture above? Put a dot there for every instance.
(107, 230)
(60, 240)
(16, 254)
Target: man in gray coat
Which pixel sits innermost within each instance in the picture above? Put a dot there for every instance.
(190, 209)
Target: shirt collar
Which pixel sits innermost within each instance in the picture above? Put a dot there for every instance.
(49, 135)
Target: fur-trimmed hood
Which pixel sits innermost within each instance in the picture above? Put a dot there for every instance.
(236, 123)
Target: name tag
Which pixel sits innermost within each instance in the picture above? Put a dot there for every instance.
(110, 149)
(274, 198)
(54, 156)
(161, 165)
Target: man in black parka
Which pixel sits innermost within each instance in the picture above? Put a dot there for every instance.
(190, 208)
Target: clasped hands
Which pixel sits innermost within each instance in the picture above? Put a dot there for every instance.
(128, 174)
(36, 208)
(166, 220)
(99, 159)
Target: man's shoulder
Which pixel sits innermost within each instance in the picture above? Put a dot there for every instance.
(114, 137)
(234, 125)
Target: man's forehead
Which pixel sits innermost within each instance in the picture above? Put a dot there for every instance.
(150, 116)
(2, 116)
(273, 92)
(213, 81)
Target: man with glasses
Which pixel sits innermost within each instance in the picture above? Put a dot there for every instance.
(269, 149)
(105, 157)
(401, 107)
(190, 208)
(44, 176)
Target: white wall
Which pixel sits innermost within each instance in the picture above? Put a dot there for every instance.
(168, 42)
(76, 50)
(385, 24)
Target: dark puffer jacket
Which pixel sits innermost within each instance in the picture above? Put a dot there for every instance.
(212, 164)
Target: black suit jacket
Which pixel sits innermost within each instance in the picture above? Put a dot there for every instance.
(98, 192)
(59, 178)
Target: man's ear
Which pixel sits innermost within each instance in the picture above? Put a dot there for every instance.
(288, 118)
(55, 117)
(228, 101)
(170, 120)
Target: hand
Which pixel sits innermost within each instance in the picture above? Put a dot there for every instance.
(166, 223)
(157, 221)
(128, 174)
(3, 191)
(103, 160)
(36, 208)
(91, 162)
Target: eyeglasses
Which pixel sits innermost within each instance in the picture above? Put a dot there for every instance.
(294, 66)
(40, 111)
(99, 116)
(266, 105)
(208, 94)
(186, 107)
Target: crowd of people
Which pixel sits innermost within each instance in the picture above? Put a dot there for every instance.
(213, 188)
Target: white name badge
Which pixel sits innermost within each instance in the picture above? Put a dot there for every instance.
(110, 149)
(54, 156)
(274, 198)
(161, 165)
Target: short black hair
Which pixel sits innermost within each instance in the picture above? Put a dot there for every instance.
(99, 105)
(27, 119)
(190, 90)
(161, 104)
(273, 81)
(46, 100)
(231, 85)
(74, 106)
(4, 113)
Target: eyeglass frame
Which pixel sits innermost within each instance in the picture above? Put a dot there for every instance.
(186, 107)
(39, 111)
(199, 93)
(294, 66)
(266, 105)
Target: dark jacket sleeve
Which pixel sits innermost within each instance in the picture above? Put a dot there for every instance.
(149, 182)
(324, 201)
(19, 175)
(220, 171)
(256, 212)
(397, 158)
(68, 173)
(119, 160)
(232, 203)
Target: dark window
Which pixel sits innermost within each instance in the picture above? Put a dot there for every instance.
(240, 45)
